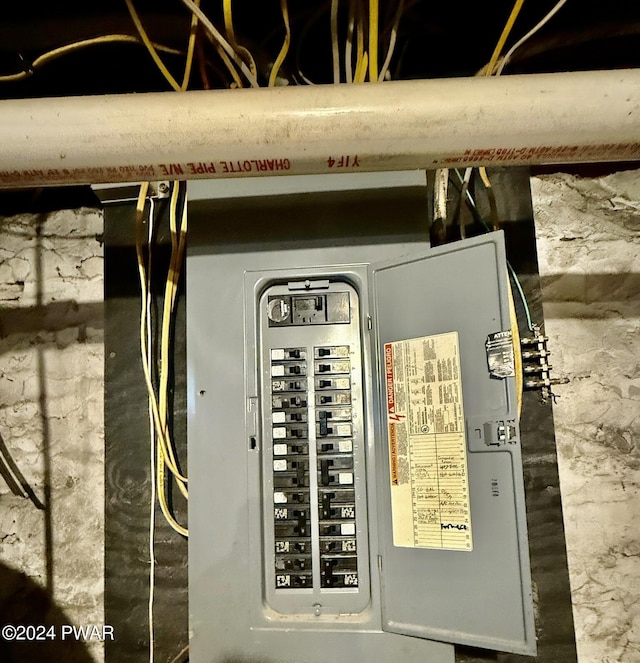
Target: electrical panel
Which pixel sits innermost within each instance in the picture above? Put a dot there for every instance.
(350, 492)
(313, 446)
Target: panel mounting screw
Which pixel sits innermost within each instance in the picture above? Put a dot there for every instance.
(317, 609)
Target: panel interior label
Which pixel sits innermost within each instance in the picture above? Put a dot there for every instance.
(427, 444)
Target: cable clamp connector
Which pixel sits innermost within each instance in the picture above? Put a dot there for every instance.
(160, 189)
(536, 367)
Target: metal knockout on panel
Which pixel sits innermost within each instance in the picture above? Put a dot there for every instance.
(351, 493)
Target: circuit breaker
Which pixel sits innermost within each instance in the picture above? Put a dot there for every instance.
(313, 445)
(350, 495)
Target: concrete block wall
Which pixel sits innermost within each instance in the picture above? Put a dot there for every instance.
(51, 410)
(588, 235)
(51, 395)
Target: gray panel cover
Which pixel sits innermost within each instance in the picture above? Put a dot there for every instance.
(228, 269)
(480, 597)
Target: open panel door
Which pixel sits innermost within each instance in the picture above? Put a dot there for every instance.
(454, 551)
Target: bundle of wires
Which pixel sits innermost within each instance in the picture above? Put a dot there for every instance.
(163, 457)
(495, 66)
(158, 388)
(364, 35)
(359, 23)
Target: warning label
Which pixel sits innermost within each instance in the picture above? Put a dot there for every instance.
(427, 444)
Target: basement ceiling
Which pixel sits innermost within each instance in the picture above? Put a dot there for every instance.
(434, 40)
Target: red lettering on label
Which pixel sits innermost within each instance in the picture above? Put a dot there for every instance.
(247, 166)
(545, 154)
(344, 161)
(171, 169)
(388, 364)
(201, 168)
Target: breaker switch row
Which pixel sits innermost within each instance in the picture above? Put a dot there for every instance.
(290, 448)
(288, 385)
(333, 383)
(331, 351)
(333, 446)
(290, 445)
(291, 581)
(337, 398)
(334, 451)
(288, 401)
(282, 354)
(339, 571)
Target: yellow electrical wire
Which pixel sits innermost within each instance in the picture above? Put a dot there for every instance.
(522, 40)
(164, 454)
(229, 65)
(152, 51)
(160, 427)
(78, 45)
(228, 23)
(503, 37)
(214, 35)
(360, 53)
(191, 46)
(171, 287)
(492, 198)
(517, 350)
(515, 333)
(177, 253)
(488, 72)
(162, 496)
(231, 35)
(361, 71)
(484, 177)
(273, 76)
(373, 40)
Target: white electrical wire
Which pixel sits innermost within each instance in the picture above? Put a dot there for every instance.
(335, 51)
(516, 46)
(152, 433)
(392, 41)
(348, 63)
(219, 39)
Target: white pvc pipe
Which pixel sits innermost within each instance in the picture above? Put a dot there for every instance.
(547, 118)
